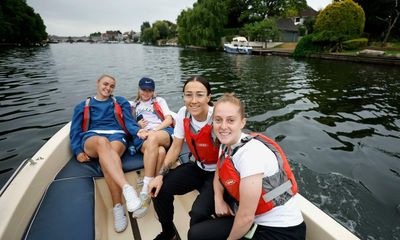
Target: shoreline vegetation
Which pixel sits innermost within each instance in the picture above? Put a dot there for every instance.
(343, 30)
(371, 54)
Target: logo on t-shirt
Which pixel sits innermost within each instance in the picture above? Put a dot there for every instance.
(230, 182)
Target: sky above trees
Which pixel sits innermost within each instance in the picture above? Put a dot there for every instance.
(80, 18)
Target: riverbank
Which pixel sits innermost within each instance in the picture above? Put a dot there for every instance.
(287, 49)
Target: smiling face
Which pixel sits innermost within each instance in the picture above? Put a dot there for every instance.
(196, 100)
(145, 94)
(105, 87)
(228, 122)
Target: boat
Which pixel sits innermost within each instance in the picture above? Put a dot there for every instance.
(238, 45)
(53, 196)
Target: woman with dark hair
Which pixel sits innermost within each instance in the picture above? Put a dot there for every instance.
(253, 184)
(193, 125)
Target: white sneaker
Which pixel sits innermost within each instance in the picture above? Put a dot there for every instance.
(120, 221)
(132, 201)
(139, 181)
(141, 212)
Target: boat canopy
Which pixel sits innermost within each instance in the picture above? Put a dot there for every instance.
(239, 39)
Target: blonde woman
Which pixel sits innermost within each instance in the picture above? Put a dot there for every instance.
(99, 130)
(154, 117)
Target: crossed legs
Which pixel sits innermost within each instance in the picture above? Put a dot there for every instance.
(109, 155)
(154, 152)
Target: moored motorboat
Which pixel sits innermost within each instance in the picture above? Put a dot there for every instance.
(238, 45)
(52, 196)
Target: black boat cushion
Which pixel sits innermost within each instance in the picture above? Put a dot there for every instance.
(74, 168)
(65, 212)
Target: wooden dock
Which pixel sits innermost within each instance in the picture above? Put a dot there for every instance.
(388, 60)
(272, 51)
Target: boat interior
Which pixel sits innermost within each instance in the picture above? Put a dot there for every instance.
(80, 190)
(53, 196)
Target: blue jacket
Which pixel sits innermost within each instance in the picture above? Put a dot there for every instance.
(101, 118)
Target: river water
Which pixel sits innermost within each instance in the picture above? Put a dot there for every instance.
(338, 122)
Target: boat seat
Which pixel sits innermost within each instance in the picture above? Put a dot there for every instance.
(66, 211)
(74, 168)
(67, 208)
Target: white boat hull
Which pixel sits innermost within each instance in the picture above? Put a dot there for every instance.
(230, 48)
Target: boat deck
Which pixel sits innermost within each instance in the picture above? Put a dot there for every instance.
(144, 228)
(26, 191)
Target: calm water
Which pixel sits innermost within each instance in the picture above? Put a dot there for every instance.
(338, 122)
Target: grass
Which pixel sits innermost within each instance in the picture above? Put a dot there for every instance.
(287, 45)
(392, 53)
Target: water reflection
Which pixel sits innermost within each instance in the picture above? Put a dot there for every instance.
(338, 123)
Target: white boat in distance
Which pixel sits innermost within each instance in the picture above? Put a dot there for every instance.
(239, 45)
(53, 196)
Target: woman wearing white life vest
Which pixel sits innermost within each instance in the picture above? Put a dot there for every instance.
(154, 116)
(99, 129)
(193, 125)
(254, 171)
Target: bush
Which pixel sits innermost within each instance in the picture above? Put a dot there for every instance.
(305, 47)
(355, 44)
(262, 31)
(345, 19)
(302, 30)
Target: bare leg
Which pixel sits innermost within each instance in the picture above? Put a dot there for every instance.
(110, 163)
(151, 152)
(161, 156)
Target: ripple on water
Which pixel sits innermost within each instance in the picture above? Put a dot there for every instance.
(339, 129)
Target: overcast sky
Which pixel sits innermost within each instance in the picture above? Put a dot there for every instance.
(82, 17)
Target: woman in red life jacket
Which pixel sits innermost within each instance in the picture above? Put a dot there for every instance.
(256, 179)
(193, 125)
(99, 129)
(154, 117)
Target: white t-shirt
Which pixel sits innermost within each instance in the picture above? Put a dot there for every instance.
(255, 158)
(179, 131)
(146, 109)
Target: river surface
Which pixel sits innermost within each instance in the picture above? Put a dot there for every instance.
(338, 122)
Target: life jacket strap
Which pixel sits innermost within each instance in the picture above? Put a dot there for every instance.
(133, 108)
(188, 115)
(228, 151)
(278, 191)
(86, 115)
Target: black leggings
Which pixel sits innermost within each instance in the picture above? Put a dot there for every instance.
(220, 228)
(181, 180)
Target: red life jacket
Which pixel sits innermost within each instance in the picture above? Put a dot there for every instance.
(156, 107)
(117, 112)
(201, 144)
(276, 189)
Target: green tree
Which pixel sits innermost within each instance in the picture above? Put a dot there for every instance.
(257, 10)
(262, 31)
(147, 36)
(95, 34)
(236, 18)
(144, 26)
(20, 24)
(162, 28)
(309, 24)
(381, 16)
(203, 25)
(338, 22)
